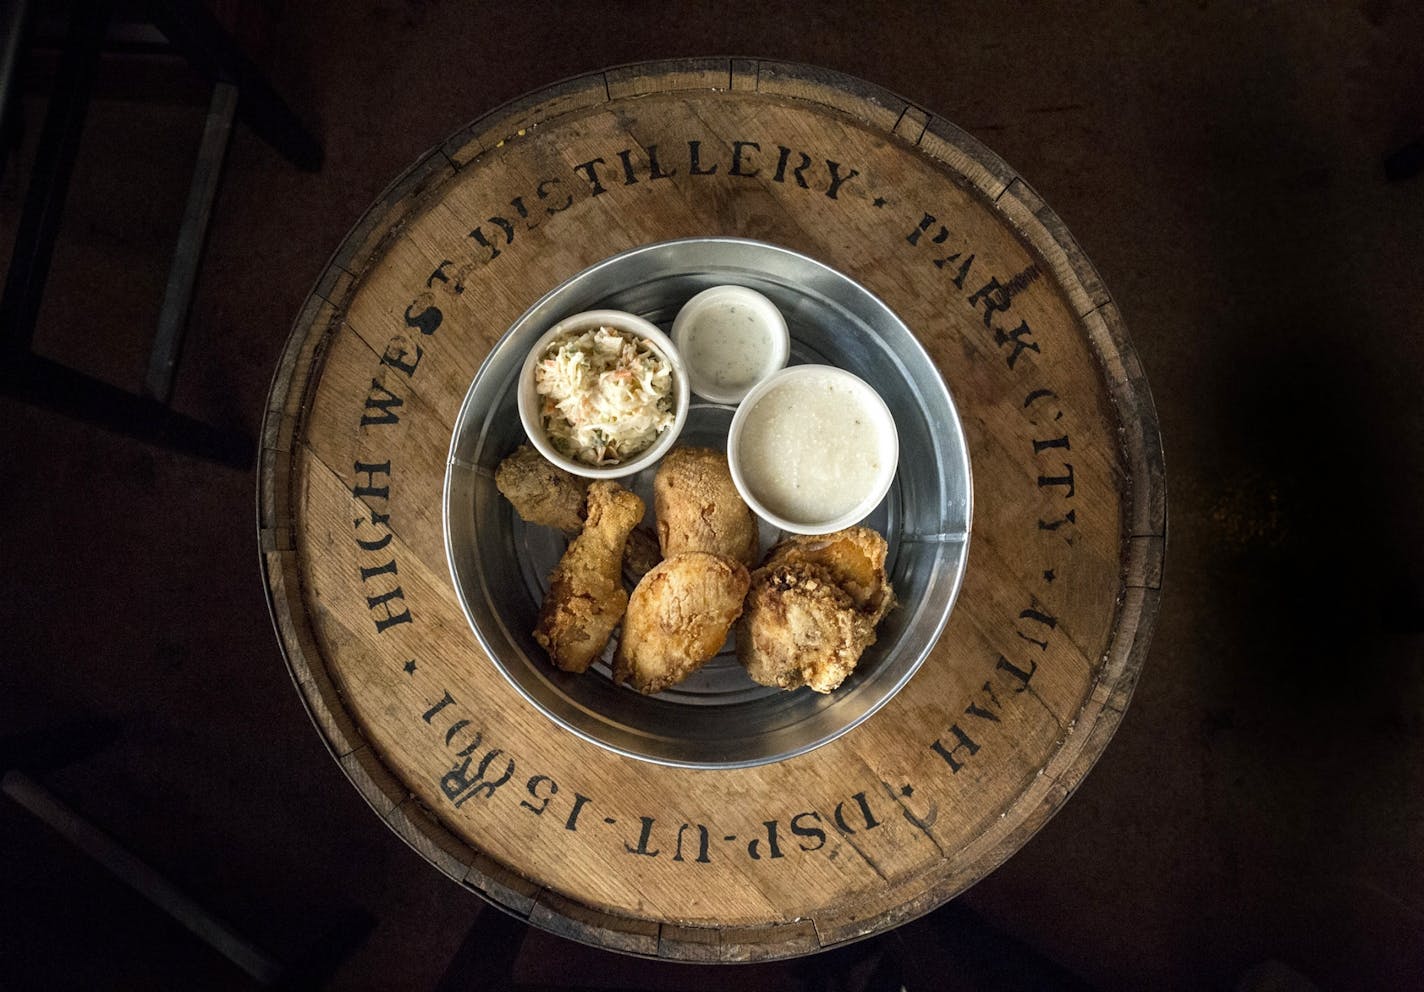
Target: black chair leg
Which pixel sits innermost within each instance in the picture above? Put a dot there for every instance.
(54, 164)
(486, 956)
(188, 254)
(194, 31)
(59, 746)
(56, 747)
(1406, 162)
(14, 34)
(954, 940)
(49, 385)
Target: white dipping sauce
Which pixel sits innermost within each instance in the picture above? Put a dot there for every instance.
(815, 446)
(730, 338)
(728, 346)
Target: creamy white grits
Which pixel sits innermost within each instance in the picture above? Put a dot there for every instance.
(814, 447)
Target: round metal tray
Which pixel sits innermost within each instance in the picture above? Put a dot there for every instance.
(719, 718)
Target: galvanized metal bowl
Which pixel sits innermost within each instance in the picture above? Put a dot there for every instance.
(719, 718)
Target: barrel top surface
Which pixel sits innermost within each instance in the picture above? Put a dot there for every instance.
(1017, 699)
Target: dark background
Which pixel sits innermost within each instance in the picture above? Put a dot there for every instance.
(1221, 163)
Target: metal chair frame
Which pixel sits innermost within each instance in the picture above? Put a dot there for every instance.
(239, 91)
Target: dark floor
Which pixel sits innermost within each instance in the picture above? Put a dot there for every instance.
(1220, 162)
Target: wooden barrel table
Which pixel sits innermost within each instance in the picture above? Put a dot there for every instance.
(1014, 702)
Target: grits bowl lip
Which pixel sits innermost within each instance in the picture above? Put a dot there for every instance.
(499, 564)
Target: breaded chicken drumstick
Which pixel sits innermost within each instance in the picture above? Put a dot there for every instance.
(586, 597)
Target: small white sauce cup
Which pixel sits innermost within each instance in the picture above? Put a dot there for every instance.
(628, 323)
(888, 440)
(763, 316)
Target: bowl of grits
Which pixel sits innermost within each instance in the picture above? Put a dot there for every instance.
(813, 449)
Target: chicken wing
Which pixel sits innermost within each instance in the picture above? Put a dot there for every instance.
(586, 598)
(678, 619)
(813, 609)
(855, 559)
(699, 509)
(542, 493)
(801, 628)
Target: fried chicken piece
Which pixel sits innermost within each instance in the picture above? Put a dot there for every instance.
(813, 608)
(586, 597)
(542, 493)
(855, 558)
(678, 619)
(640, 555)
(699, 509)
(546, 495)
(801, 628)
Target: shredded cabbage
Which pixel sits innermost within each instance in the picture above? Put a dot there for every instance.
(605, 395)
